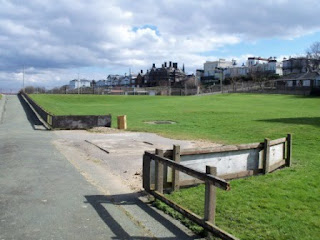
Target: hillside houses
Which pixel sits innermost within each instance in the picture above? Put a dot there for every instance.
(215, 71)
(299, 72)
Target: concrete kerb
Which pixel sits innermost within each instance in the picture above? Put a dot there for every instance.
(2, 106)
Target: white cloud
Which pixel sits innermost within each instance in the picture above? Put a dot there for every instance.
(59, 37)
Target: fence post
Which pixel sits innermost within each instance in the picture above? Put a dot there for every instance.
(289, 150)
(146, 172)
(175, 174)
(210, 197)
(159, 172)
(266, 156)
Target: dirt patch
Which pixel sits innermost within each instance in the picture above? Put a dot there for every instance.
(119, 151)
(105, 130)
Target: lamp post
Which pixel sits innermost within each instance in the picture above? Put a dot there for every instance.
(221, 70)
(23, 80)
(78, 84)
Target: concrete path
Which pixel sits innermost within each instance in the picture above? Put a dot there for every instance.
(43, 196)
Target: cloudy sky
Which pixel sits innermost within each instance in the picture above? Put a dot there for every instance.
(57, 40)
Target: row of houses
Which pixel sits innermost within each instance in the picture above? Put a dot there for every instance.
(214, 71)
(292, 72)
(169, 74)
(299, 71)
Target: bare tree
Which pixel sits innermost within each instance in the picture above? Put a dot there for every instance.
(313, 55)
(29, 89)
(258, 76)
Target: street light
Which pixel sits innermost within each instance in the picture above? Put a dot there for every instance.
(221, 69)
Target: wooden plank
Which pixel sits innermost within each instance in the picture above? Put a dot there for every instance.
(146, 172)
(228, 148)
(210, 197)
(266, 156)
(175, 174)
(102, 149)
(190, 182)
(159, 172)
(277, 141)
(241, 174)
(289, 150)
(230, 176)
(277, 165)
(216, 181)
(195, 218)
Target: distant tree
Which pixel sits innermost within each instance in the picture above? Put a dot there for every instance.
(313, 55)
(29, 89)
(257, 75)
(93, 85)
(40, 90)
(56, 90)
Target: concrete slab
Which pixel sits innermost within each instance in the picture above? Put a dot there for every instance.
(122, 151)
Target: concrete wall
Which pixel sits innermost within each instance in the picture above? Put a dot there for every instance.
(231, 161)
(226, 162)
(70, 122)
(80, 122)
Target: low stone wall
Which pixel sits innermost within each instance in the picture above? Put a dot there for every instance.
(80, 122)
(70, 121)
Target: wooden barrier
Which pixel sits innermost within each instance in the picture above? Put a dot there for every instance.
(270, 155)
(234, 161)
(209, 177)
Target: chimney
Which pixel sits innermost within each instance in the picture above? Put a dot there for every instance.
(170, 64)
(153, 65)
(175, 65)
(141, 71)
(165, 64)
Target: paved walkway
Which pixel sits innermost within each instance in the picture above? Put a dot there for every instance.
(43, 196)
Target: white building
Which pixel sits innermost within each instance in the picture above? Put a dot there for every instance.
(82, 83)
(264, 65)
(211, 68)
(236, 71)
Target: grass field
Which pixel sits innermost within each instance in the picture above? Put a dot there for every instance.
(281, 205)
(0, 96)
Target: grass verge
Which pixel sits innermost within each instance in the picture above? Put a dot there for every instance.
(281, 205)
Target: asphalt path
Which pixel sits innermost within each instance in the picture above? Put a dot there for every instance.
(43, 196)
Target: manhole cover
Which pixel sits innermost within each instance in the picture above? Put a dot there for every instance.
(161, 122)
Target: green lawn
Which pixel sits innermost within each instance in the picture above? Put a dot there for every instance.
(281, 205)
(0, 96)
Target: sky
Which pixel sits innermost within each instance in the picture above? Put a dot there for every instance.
(57, 41)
